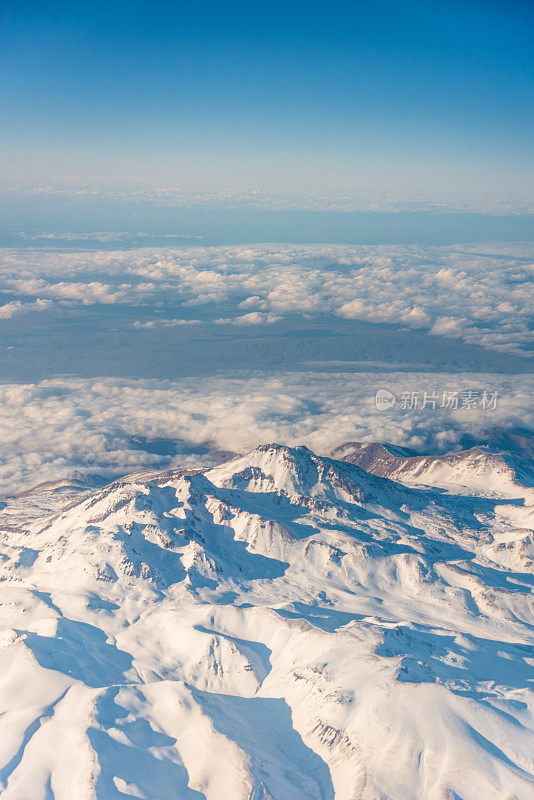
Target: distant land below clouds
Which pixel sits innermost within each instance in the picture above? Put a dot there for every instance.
(263, 199)
(216, 220)
(193, 310)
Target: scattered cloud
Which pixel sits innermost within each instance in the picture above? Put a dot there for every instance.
(85, 293)
(448, 326)
(14, 307)
(252, 318)
(481, 296)
(166, 323)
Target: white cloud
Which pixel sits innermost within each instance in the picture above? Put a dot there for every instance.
(166, 323)
(482, 296)
(86, 293)
(448, 326)
(14, 307)
(252, 318)
(252, 302)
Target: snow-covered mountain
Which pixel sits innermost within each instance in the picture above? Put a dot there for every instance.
(475, 470)
(281, 627)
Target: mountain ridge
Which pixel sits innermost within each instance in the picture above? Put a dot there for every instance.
(283, 625)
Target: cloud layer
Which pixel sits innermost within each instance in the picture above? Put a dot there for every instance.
(479, 295)
(49, 429)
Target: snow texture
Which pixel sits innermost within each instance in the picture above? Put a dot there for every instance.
(282, 626)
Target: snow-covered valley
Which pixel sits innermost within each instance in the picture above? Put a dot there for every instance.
(283, 626)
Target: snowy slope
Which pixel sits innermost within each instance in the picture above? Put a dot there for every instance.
(281, 627)
(475, 470)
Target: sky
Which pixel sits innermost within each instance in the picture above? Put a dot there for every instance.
(406, 99)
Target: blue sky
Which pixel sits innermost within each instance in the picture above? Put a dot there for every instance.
(412, 98)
